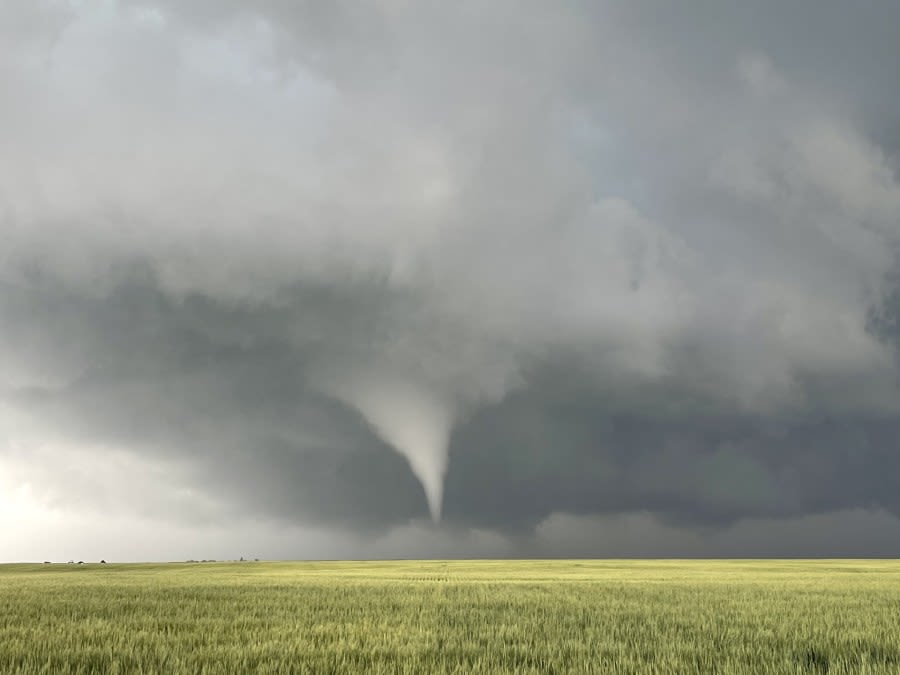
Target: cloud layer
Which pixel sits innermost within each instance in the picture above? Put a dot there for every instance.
(261, 259)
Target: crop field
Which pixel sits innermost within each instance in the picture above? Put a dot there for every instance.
(512, 617)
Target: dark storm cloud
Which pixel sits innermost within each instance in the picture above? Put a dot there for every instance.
(540, 452)
(590, 259)
(188, 381)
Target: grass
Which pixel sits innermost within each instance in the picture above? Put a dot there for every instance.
(514, 617)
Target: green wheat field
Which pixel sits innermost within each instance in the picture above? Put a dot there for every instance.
(512, 617)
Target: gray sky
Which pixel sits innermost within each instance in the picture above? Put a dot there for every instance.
(395, 278)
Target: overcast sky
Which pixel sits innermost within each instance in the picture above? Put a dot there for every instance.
(449, 279)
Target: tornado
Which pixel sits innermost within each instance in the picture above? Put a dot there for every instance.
(410, 417)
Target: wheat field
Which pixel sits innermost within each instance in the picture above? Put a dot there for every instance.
(516, 617)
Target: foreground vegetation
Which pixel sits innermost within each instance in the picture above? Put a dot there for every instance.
(453, 617)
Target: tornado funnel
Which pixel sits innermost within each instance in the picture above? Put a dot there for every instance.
(411, 419)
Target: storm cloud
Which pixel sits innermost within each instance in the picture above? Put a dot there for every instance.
(422, 278)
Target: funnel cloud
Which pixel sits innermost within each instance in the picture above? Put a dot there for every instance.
(410, 419)
(390, 279)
